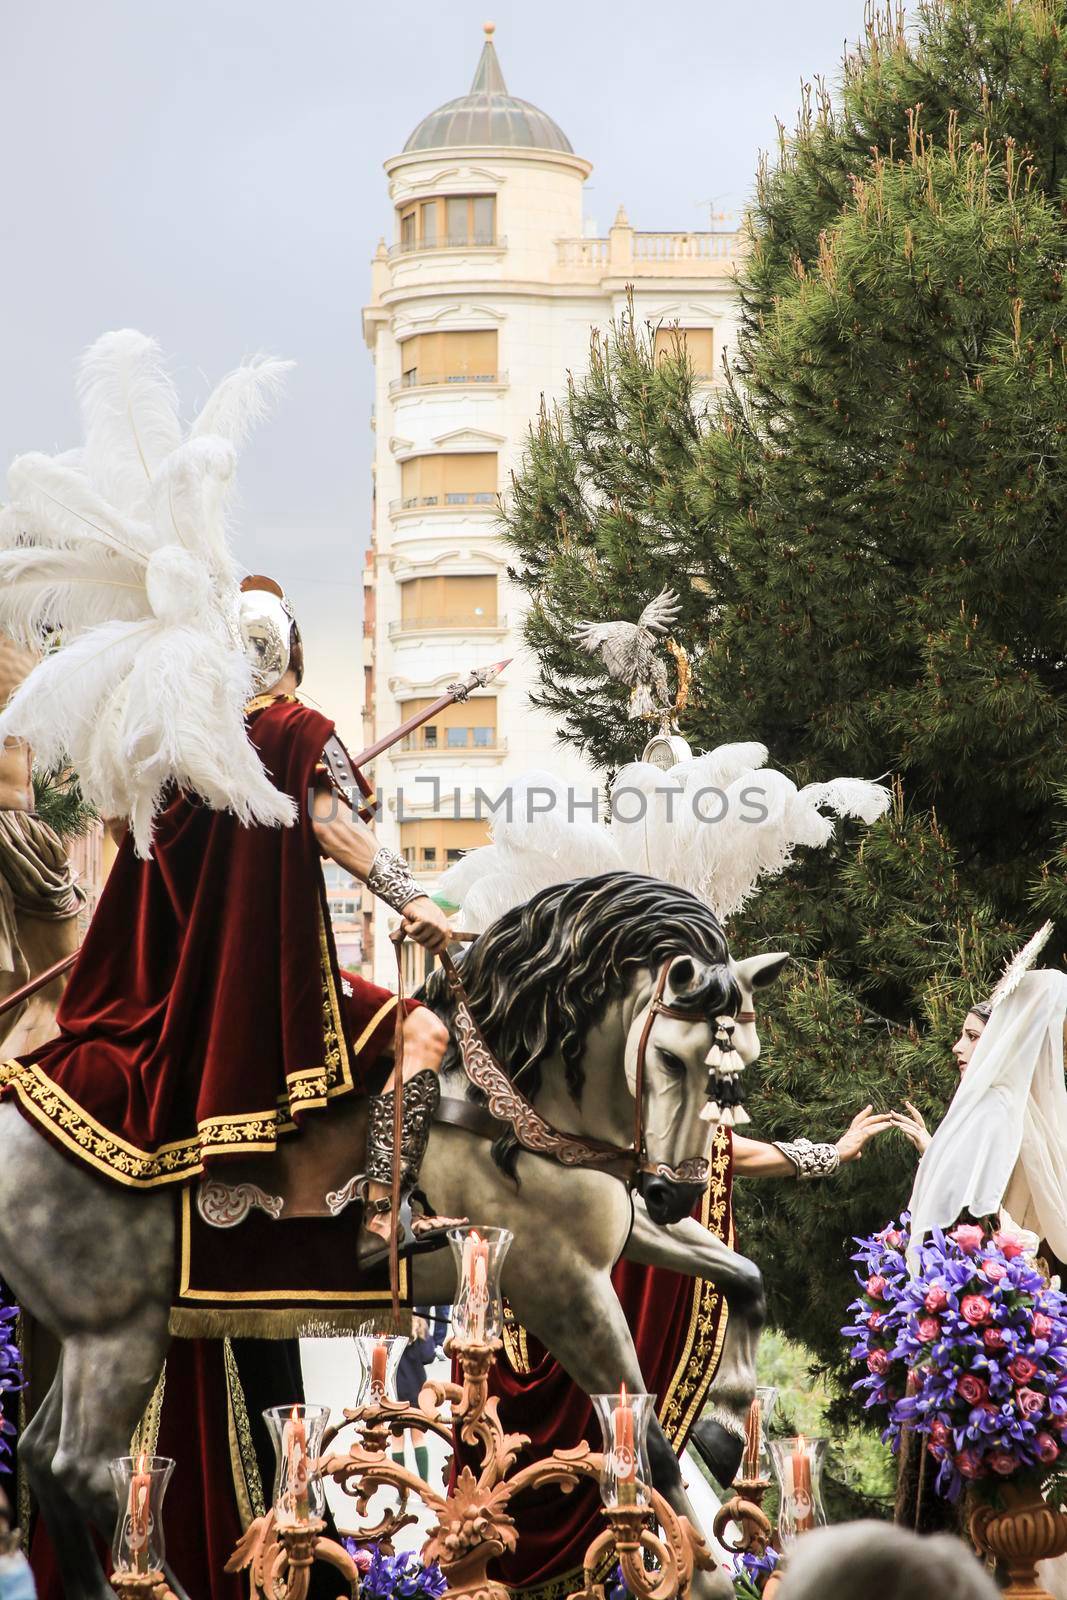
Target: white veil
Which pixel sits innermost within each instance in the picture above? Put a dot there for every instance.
(1003, 1141)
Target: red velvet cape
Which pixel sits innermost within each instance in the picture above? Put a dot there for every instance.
(203, 1017)
(678, 1326)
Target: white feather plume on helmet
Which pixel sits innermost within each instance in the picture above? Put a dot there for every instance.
(717, 825)
(115, 559)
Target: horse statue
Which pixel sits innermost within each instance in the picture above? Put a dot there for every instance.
(565, 991)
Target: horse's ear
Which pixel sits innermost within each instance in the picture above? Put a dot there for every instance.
(756, 972)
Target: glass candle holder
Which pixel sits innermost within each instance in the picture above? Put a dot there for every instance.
(798, 1465)
(379, 1358)
(140, 1484)
(756, 1460)
(296, 1433)
(624, 1420)
(478, 1306)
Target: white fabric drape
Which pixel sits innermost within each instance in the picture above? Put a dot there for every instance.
(1003, 1141)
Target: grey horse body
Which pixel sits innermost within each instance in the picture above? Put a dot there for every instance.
(94, 1263)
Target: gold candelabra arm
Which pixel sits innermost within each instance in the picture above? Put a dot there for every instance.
(140, 1586)
(279, 1559)
(750, 1518)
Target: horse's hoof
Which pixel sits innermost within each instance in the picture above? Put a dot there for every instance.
(720, 1450)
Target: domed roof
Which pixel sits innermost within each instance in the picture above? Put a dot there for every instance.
(488, 115)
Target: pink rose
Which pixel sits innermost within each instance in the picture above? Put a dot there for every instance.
(936, 1298)
(874, 1321)
(1030, 1403)
(878, 1362)
(876, 1286)
(993, 1339)
(1003, 1463)
(893, 1239)
(1042, 1325)
(995, 1270)
(976, 1309)
(927, 1329)
(972, 1389)
(1047, 1449)
(938, 1432)
(1022, 1369)
(1009, 1245)
(969, 1464)
(968, 1236)
(362, 1561)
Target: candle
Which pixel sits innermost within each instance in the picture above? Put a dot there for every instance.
(379, 1361)
(750, 1460)
(140, 1514)
(296, 1457)
(625, 1454)
(476, 1277)
(803, 1505)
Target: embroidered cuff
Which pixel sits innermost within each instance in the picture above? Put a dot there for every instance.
(391, 881)
(810, 1160)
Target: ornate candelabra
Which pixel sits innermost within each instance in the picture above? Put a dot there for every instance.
(473, 1524)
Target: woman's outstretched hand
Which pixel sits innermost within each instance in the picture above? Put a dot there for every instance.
(913, 1127)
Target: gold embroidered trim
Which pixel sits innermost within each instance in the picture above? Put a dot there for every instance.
(249, 1133)
(699, 1361)
(146, 1434)
(244, 1465)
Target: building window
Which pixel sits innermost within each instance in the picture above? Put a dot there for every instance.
(436, 841)
(698, 344)
(453, 357)
(457, 727)
(455, 220)
(459, 478)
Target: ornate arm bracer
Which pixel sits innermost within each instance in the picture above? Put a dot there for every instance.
(810, 1160)
(391, 881)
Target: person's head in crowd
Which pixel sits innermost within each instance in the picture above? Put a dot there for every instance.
(864, 1560)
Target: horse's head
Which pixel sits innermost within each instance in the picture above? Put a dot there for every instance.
(706, 1011)
(562, 987)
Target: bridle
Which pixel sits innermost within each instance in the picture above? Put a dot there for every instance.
(507, 1104)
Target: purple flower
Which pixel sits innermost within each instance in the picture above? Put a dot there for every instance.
(399, 1577)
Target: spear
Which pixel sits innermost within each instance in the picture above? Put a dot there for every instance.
(460, 690)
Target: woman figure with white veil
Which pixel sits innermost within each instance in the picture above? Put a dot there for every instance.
(1002, 1146)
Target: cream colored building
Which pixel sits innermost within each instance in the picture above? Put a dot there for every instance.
(482, 305)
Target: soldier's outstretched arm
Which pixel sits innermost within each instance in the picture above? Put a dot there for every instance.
(346, 839)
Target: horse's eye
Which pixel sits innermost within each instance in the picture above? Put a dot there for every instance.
(674, 1064)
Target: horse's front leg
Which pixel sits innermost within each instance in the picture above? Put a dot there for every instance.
(688, 1248)
(583, 1325)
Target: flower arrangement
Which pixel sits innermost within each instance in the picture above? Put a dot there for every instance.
(751, 1571)
(971, 1352)
(10, 1372)
(395, 1577)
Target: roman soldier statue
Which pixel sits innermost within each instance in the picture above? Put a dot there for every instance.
(206, 1019)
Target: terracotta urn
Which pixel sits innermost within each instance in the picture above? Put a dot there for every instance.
(1019, 1533)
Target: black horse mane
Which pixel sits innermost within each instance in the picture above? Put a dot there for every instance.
(542, 976)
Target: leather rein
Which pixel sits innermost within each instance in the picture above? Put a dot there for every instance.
(507, 1105)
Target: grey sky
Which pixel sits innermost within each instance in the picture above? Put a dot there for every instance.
(210, 171)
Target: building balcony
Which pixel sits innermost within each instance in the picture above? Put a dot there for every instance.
(425, 247)
(478, 500)
(415, 627)
(625, 252)
(451, 754)
(447, 380)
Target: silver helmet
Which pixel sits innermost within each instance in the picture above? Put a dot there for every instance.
(268, 629)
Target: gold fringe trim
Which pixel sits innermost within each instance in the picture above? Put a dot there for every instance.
(192, 1323)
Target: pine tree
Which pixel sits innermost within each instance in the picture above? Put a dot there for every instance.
(866, 525)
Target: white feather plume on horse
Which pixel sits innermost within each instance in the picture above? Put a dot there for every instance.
(716, 825)
(115, 560)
